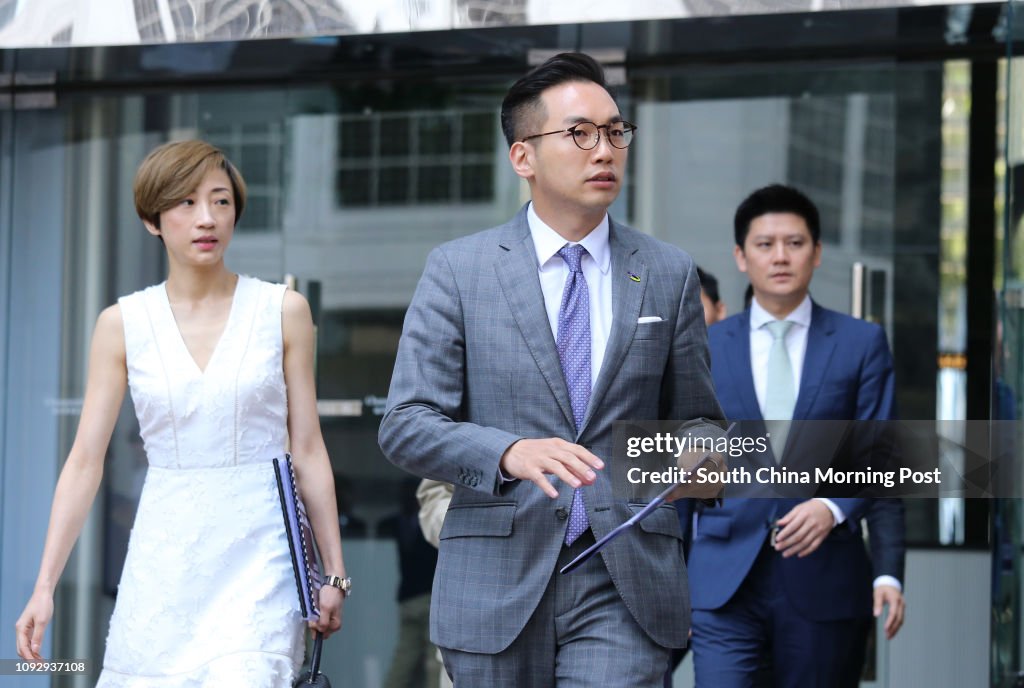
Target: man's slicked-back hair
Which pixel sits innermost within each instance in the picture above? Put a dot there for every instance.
(776, 198)
(709, 285)
(523, 99)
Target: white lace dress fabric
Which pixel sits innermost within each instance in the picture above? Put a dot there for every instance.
(207, 596)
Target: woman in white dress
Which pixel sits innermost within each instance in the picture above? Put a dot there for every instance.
(220, 368)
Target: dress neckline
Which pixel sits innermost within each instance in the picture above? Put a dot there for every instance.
(172, 321)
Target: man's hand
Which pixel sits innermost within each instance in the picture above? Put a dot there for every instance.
(804, 528)
(887, 595)
(712, 463)
(534, 459)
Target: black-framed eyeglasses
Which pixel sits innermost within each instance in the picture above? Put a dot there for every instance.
(587, 134)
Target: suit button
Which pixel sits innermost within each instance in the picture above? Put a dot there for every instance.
(562, 513)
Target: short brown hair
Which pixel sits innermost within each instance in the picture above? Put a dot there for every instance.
(174, 170)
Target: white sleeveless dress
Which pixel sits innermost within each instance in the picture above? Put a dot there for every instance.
(207, 596)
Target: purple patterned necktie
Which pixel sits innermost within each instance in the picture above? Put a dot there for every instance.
(574, 353)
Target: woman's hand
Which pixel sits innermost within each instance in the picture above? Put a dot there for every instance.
(28, 632)
(332, 603)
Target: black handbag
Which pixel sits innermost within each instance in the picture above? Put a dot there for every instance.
(313, 678)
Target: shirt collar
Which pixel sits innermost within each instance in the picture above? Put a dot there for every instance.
(548, 242)
(801, 315)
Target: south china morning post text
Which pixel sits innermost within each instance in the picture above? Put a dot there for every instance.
(735, 447)
(822, 458)
(772, 475)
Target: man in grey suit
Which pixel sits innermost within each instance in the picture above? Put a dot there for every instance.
(522, 346)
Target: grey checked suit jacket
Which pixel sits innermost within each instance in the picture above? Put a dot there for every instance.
(477, 369)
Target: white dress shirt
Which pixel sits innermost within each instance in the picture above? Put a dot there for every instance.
(596, 267)
(761, 345)
(796, 345)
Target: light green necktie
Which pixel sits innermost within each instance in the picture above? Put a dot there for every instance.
(780, 395)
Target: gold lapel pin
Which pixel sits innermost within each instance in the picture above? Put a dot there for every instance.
(633, 276)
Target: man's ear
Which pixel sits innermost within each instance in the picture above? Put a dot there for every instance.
(521, 156)
(741, 258)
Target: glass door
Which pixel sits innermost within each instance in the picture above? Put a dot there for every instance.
(1008, 371)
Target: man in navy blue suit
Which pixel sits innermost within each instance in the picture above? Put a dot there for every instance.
(796, 612)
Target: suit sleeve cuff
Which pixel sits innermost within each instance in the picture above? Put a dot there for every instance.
(837, 514)
(503, 477)
(888, 580)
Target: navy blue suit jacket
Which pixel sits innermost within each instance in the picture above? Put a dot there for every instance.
(847, 375)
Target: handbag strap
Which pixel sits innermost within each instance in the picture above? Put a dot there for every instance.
(314, 662)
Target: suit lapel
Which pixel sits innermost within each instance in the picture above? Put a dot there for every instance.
(627, 297)
(820, 344)
(517, 274)
(737, 366)
(740, 380)
(825, 436)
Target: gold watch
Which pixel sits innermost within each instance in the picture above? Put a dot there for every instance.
(343, 584)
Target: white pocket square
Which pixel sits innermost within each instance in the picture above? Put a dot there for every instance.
(649, 319)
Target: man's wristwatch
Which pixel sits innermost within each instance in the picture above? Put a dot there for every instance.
(343, 584)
